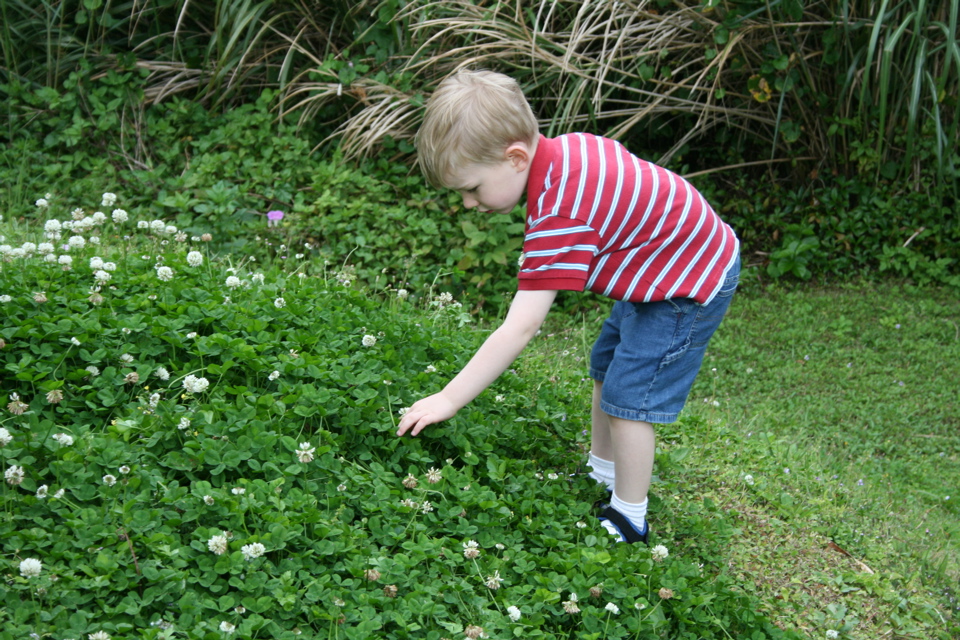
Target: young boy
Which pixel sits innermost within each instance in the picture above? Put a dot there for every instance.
(598, 218)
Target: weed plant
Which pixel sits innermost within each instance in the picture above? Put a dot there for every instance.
(197, 446)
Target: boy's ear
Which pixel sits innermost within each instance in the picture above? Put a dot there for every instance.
(519, 155)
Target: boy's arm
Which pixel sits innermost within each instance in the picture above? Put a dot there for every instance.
(527, 312)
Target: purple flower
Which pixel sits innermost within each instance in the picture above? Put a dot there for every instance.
(274, 217)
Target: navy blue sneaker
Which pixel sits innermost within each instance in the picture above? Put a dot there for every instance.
(618, 525)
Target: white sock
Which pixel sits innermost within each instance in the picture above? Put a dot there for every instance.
(602, 470)
(635, 513)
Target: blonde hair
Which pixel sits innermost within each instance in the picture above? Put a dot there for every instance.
(472, 118)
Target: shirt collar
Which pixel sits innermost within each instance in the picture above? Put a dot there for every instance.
(542, 160)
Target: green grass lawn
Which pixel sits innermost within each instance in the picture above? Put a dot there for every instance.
(825, 425)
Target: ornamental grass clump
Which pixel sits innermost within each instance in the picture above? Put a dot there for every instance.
(178, 463)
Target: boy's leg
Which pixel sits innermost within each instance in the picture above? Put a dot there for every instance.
(621, 455)
(601, 445)
(634, 444)
(626, 446)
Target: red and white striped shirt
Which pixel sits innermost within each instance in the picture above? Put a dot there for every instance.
(603, 220)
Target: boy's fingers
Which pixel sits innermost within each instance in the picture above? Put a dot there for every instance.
(406, 423)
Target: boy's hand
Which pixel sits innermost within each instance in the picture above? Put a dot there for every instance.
(429, 410)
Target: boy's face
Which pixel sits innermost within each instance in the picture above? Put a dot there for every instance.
(495, 187)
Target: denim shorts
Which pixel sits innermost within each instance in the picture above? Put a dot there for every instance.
(649, 353)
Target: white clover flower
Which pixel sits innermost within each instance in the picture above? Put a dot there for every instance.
(126, 358)
(659, 553)
(169, 229)
(218, 544)
(96, 262)
(748, 479)
(63, 439)
(493, 582)
(42, 491)
(257, 277)
(59, 494)
(471, 549)
(195, 258)
(369, 341)
(238, 491)
(5, 437)
(305, 452)
(74, 341)
(143, 224)
(499, 398)
(273, 376)
(124, 469)
(98, 217)
(14, 475)
(109, 480)
(30, 567)
(279, 303)
(191, 335)
(227, 627)
(99, 635)
(5, 298)
(434, 476)
(108, 200)
(252, 551)
(233, 282)
(29, 248)
(184, 424)
(52, 226)
(514, 613)
(341, 487)
(109, 266)
(570, 606)
(77, 242)
(45, 248)
(65, 261)
(208, 500)
(832, 634)
(50, 257)
(42, 202)
(165, 273)
(402, 294)
(193, 384)
(162, 373)
(157, 225)
(119, 216)
(101, 276)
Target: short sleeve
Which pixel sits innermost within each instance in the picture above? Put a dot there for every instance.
(557, 254)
